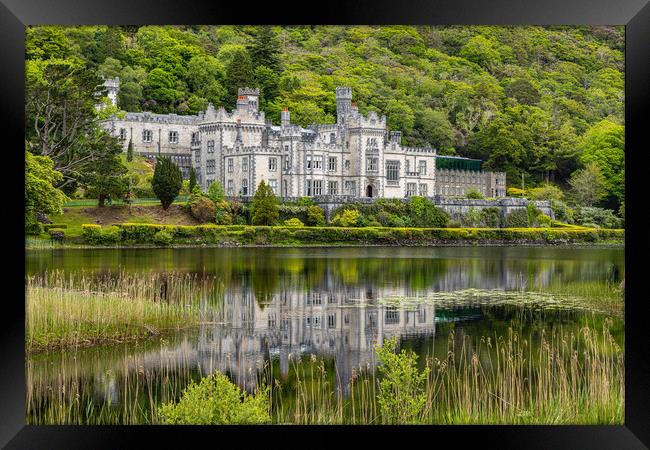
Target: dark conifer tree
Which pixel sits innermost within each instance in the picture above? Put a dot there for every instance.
(167, 181)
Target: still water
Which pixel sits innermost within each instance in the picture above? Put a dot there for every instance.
(273, 306)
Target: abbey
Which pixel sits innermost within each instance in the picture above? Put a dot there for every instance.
(355, 157)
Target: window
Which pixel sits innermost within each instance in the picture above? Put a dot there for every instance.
(273, 164)
(195, 138)
(231, 188)
(244, 164)
(314, 187)
(287, 163)
(372, 164)
(285, 188)
(392, 171)
(244, 187)
(423, 190)
(314, 162)
(231, 165)
(274, 186)
(332, 138)
(147, 136)
(210, 166)
(407, 166)
(423, 168)
(351, 188)
(333, 187)
(331, 321)
(411, 189)
(331, 163)
(197, 156)
(210, 146)
(286, 149)
(173, 137)
(347, 163)
(122, 134)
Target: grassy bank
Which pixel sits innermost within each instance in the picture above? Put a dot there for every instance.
(83, 311)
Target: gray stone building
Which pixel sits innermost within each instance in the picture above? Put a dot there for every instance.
(356, 157)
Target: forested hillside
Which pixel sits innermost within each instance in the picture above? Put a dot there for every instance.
(542, 101)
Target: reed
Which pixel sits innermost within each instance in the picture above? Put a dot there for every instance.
(79, 310)
(566, 379)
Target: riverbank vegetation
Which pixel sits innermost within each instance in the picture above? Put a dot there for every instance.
(549, 377)
(64, 311)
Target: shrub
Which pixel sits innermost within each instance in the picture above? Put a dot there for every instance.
(222, 214)
(590, 216)
(305, 201)
(543, 220)
(491, 217)
(58, 234)
(423, 213)
(216, 192)
(517, 219)
(163, 237)
(295, 222)
(515, 192)
(33, 228)
(562, 211)
(347, 218)
(264, 210)
(315, 216)
(472, 218)
(474, 194)
(453, 224)
(546, 192)
(202, 208)
(217, 401)
(91, 232)
(401, 397)
(47, 226)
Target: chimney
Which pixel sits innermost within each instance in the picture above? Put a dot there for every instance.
(286, 117)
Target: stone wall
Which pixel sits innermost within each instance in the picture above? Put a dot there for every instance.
(454, 207)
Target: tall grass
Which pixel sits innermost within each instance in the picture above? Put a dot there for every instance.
(567, 379)
(75, 310)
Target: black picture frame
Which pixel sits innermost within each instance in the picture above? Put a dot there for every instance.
(634, 14)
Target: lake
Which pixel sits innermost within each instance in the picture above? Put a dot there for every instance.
(271, 309)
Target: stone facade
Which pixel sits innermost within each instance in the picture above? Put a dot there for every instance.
(355, 157)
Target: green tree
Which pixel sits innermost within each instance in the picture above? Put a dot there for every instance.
(264, 210)
(523, 91)
(167, 181)
(129, 151)
(239, 73)
(192, 179)
(588, 185)
(41, 195)
(424, 214)
(264, 49)
(604, 144)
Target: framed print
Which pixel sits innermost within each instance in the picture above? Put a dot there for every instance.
(375, 219)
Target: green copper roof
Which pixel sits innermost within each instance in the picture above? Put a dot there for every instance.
(458, 163)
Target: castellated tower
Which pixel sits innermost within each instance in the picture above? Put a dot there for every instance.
(248, 98)
(343, 103)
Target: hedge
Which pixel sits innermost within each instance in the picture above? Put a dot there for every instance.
(133, 233)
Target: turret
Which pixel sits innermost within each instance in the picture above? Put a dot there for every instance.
(343, 103)
(248, 98)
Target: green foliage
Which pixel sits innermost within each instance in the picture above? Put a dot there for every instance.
(202, 208)
(57, 234)
(163, 237)
(41, 195)
(599, 217)
(423, 213)
(222, 214)
(588, 185)
(546, 192)
(129, 151)
(264, 210)
(192, 179)
(543, 220)
(315, 216)
(346, 218)
(167, 181)
(216, 192)
(474, 194)
(215, 400)
(517, 219)
(294, 222)
(401, 396)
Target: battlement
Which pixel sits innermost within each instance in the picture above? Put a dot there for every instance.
(344, 92)
(172, 119)
(112, 82)
(248, 91)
